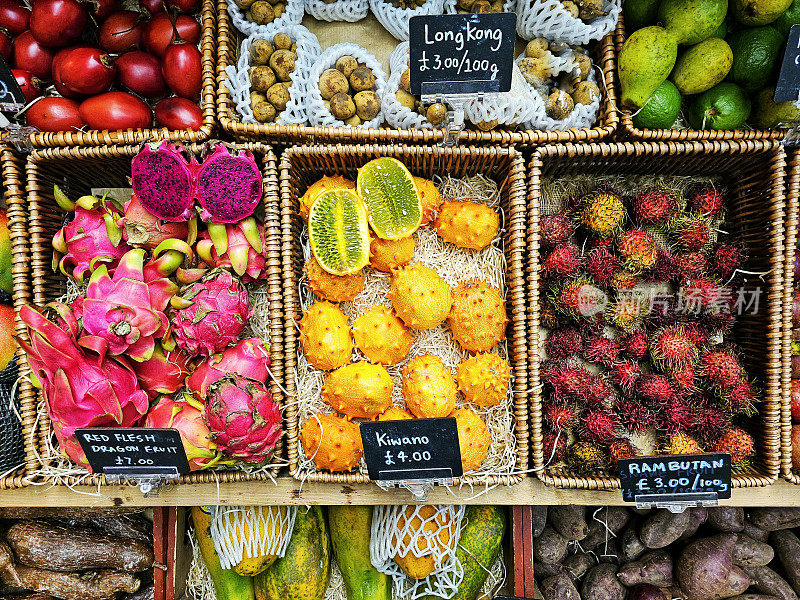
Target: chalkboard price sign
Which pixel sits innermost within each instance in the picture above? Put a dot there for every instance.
(788, 84)
(419, 449)
(134, 451)
(11, 96)
(462, 54)
(675, 475)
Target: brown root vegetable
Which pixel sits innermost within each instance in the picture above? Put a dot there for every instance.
(406, 99)
(539, 519)
(705, 570)
(569, 521)
(767, 581)
(697, 516)
(601, 583)
(57, 548)
(32, 512)
(262, 78)
(787, 549)
(631, 547)
(662, 528)
(550, 547)
(30, 597)
(560, 587)
(282, 41)
(645, 591)
(749, 553)
(147, 592)
(654, 568)
(264, 112)
(578, 564)
(754, 597)
(604, 523)
(129, 527)
(543, 571)
(726, 518)
(773, 519)
(368, 105)
(278, 96)
(608, 552)
(754, 532)
(342, 106)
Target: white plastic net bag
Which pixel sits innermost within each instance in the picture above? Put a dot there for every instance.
(318, 114)
(418, 531)
(549, 19)
(338, 10)
(397, 115)
(395, 20)
(242, 532)
(292, 15)
(308, 49)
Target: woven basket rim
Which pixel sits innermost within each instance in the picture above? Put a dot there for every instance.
(792, 215)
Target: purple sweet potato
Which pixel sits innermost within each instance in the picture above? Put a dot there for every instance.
(550, 547)
(754, 532)
(754, 597)
(697, 516)
(601, 583)
(767, 581)
(577, 564)
(705, 569)
(560, 587)
(631, 547)
(604, 523)
(543, 571)
(773, 519)
(726, 518)
(539, 519)
(663, 527)
(787, 549)
(654, 568)
(569, 521)
(749, 553)
(645, 591)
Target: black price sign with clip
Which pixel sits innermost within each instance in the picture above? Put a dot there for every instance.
(148, 456)
(676, 481)
(455, 59)
(788, 86)
(418, 450)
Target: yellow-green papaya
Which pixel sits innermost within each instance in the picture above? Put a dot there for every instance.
(351, 529)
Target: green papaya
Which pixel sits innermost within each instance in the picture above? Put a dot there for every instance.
(305, 570)
(351, 529)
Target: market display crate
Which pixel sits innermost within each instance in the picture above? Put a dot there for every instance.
(207, 102)
(502, 167)
(753, 175)
(228, 55)
(78, 171)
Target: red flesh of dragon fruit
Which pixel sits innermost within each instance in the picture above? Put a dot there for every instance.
(164, 183)
(248, 358)
(243, 250)
(244, 421)
(228, 186)
(164, 372)
(82, 389)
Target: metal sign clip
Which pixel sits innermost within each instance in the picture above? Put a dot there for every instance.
(436, 92)
(420, 488)
(16, 134)
(677, 503)
(149, 482)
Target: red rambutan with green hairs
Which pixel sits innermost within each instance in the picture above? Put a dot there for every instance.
(634, 416)
(593, 243)
(563, 343)
(599, 425)
(568, 381)
(706, 200)
(678, 415)
(624, 280)
(741, 398)
(601, 265)
(656, 389)
(578, 298)
(738, 443)
(696, 333)
(638, 250)
(654, 207)
(684, 379)
(601, 350)
(555, 229)
(663, 311)
(727, 258)
(590, 328)
(635, 344)
(711, 420)
(621, 448)
(560, 415)
(664, 269)
(563, 261)
(701, 293)
(691, 233)
(548, 316)
(624, 375)
(690, 264)
(720, 368)
(720, 321)
(599, 392)
(671, 349)
(629, 310)
(554, 447)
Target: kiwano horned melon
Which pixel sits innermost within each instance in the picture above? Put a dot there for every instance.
(323, 185)
(431, 198)
(428, 387)
(387, 255)
(478, 316)
(381, 336)
(338, 232)
(467, 224)
(421, 298)
(473, 438)
(332, 442)
(325, 336)
(437, 534)
(359, 390)
(336, 288)
(395, 414)
(395, 208)
(483, 379)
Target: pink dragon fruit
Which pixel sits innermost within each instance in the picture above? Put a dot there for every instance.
(163, 181)
(244, 421)
(142, 229)
(90, 239)
(164, 372)
(240, 247)
(247, 358)
(126, 312)
(186, 415)
(82, 389)
(229, 186)
(210, 313)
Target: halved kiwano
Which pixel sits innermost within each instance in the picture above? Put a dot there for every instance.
(392, 199)
(338, 232)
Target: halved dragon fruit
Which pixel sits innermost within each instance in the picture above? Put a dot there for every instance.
(228, 186)
(164, 183)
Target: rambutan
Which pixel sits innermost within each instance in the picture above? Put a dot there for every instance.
(624, 375)
(629, 310)
(638, 250)
(560, 415)
(684, 379)
(591, 328)
(586, 457)
(700, 294)
(671, 349)
(563, 261)
(727, 258)
(563, 343)
(706, 200)
(601, 265)
(599, 392)
(548, 316)
(710, 421)
(690, 264)
(579, 298)
(654, 207)
(634, 415)
(738, 443)
(601, 350)
(663, 311)
(555, 229)
(677, 415)
(681, 443)
(593, 243)
(554, 447)
(720, 368)
(696, 333)
(741, 398)
(599, 425)
(623, 280)
(621, 448)
(691, 233)
(719, 321)
(569, 381)
(602, 212)
(664, 268)
(656, 389)
(635, 344)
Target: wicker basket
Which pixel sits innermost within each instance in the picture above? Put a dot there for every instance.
(754, 174)
(302, 166)
(627, 128)
(792, 215)
(77, 171)
(228, 53)
(96, 137)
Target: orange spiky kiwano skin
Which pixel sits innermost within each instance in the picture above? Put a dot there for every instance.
(387, 255)
(336, 288)
(428, 387)
(421, 298)
(333, 442)
(359, 390)
(325, 336)
(478, 316)
(473, 438)
(382, 336)
(323, 185)
(483, 379)
(430, 197)
(467, 224)
(395, 414)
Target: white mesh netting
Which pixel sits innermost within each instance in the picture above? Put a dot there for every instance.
(451, 6)
(292, 15)
(422, 531)
(338, 10)
(308, 49)
(242, 532)
(549, 19)
(395, 19)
